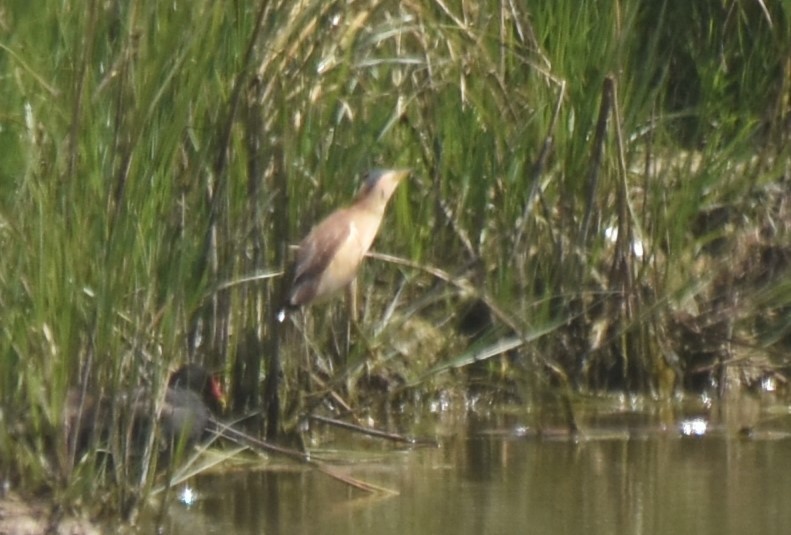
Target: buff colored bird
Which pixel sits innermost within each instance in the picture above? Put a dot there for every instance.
(330, 255)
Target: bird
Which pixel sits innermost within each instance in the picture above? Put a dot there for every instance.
(329, 257)
(195, 379)
(191, 399)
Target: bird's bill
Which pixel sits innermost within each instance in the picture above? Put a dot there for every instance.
(400, 174)
(218, 393)
(392, 178)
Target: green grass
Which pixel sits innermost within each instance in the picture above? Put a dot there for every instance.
(152, 152)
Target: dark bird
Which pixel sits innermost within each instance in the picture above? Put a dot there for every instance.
(330, 255)
(192, 397)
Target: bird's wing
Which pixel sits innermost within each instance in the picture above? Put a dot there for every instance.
(319, 247)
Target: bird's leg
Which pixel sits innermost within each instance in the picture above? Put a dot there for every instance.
(351, 318)
(352, 300)
(303, 372)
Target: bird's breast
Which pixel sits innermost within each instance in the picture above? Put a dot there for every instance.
(346, 261)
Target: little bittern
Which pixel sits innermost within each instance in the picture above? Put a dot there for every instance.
(329, 256)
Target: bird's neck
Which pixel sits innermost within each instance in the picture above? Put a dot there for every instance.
(374, 204)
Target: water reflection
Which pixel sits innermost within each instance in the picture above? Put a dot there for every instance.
(636, 479)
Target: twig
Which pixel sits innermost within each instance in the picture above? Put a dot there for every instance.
(232, 433)
(395, 437)
(250, 278)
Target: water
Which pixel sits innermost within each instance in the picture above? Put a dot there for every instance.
(488, 478)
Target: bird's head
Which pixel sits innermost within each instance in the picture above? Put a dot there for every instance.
(195, 378)
(379, 184)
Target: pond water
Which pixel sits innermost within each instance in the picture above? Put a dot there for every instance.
(491, 475)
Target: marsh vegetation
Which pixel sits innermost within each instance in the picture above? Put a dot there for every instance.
(600, 202)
